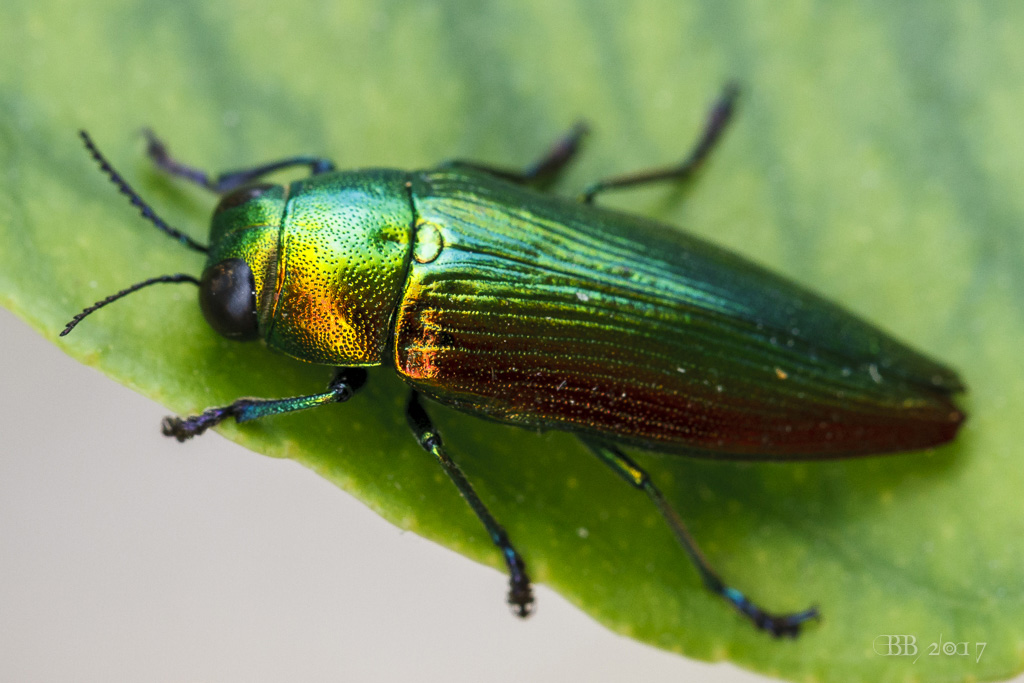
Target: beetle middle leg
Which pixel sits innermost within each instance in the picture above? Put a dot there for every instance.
(229, 180)
(776, 624)
(543, 172)
(718, 117)
(520, 594)
(346, 382)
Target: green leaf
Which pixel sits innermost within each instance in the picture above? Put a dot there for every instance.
(876, 158)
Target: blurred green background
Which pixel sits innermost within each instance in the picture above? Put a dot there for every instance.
(876, 158)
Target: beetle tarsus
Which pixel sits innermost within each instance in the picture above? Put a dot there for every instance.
(520, 596)
(778, 625)
(184, 429)
(520, 591)
(787, 625)
(156, 150)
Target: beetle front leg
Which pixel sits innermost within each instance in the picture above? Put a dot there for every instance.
(520, 594)
(346, 382)
(230, 180)
(776, 624)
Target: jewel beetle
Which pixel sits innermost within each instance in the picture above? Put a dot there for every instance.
(486, 294)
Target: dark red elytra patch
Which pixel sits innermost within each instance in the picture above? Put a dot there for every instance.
(531, 381)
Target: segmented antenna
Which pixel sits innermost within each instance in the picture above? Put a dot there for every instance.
(180, 277)
(136, 200)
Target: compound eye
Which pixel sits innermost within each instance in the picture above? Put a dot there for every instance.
(241, 196)
(227, 296)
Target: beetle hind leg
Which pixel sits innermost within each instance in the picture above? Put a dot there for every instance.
(520, 594)
(776, 624)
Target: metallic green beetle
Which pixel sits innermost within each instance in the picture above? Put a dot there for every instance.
(548, 313)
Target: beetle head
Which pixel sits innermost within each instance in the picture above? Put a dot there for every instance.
(239, 280)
